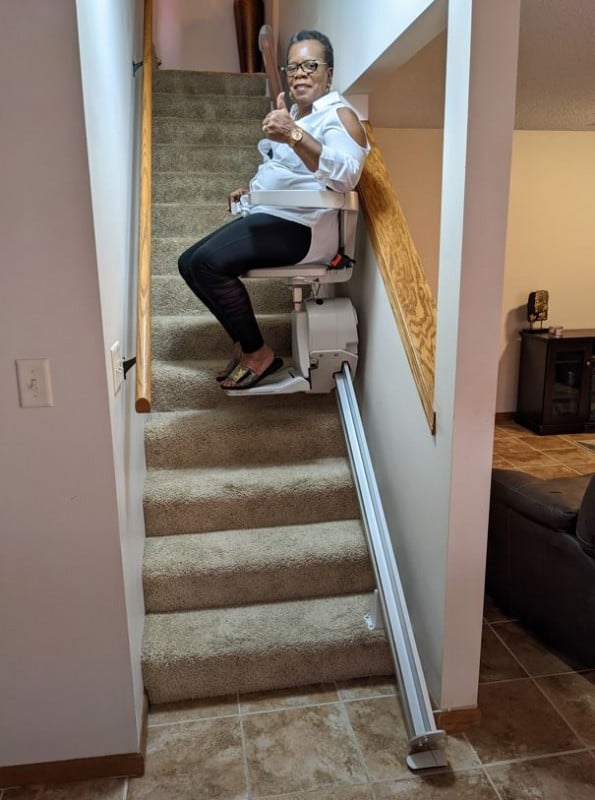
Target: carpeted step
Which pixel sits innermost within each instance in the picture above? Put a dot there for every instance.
(184, 219)
(187, 82)
(260, 647)
(230, 435)
(255, 496)
(179, 385)
(200, 336)
(263, 565)
(170, 295)
(210, 106)
(198, 187)
(196, 158)
(226, 133)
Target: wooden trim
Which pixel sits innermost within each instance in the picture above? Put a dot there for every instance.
(457, 720)
(143, 302)
(409, 294)
(503, 417)
(122, 765)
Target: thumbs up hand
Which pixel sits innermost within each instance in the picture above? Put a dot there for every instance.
(277, 125)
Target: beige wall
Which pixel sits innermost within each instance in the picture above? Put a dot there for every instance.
(196, 35)
(551, 234)
(551, 239)
(67, 671)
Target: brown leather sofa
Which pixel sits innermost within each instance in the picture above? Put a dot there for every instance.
(541, 557)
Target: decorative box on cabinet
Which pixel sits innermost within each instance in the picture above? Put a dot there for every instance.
(557, 382)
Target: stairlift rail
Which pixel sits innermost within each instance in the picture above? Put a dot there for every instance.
(426, 742)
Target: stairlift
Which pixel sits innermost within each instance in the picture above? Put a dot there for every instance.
(323, 327)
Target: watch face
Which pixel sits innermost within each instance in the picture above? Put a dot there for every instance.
(296, 135)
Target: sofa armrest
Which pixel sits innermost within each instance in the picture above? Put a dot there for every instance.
(585, 523)
(554, 503)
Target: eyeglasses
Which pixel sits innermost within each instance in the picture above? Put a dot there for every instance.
(309, 66)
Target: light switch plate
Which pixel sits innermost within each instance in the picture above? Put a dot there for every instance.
(34, 381)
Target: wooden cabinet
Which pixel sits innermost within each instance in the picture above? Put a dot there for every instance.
(557, 382)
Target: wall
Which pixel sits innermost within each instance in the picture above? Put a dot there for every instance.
(551, 238)
(359, 37)
(110, 39)
(440, 545)
(196, 35)
(66, 671)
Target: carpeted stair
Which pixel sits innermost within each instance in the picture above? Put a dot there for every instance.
(256, 573)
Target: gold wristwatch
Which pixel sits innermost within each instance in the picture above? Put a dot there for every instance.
(296, 135)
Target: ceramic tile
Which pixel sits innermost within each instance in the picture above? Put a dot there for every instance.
(200, 760)
(574, 696)
(444, 786)
(80, 790)
(193, 710)
(367, 687)
(568, 777)
(497, 664)
(518, 722)
(382, 737)
(491, 612)
(383, 741)
(547, 472)
(535, 657)
(288, 698)
(298, 749)
(545, 442)
(335, 793)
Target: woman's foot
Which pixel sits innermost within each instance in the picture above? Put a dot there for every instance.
(236, 355)
(258, 363)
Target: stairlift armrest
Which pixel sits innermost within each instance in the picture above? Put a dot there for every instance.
(299, 198)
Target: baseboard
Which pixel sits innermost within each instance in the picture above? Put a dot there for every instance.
(457, 720)
(120, 765)
(502, 417)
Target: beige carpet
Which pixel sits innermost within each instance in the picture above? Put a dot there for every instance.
(256, 573)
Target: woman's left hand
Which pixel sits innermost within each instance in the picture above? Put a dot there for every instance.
(277, 125)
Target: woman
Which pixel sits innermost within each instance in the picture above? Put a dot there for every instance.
(318, 144)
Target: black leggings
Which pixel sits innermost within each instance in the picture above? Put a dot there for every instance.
(211, 268)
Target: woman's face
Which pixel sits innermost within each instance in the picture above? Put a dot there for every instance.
(308, 88)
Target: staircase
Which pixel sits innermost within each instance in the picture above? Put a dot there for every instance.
(256, 573)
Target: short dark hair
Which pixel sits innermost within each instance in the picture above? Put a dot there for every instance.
(302, 36)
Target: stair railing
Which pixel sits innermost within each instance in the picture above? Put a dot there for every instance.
(409, 294)
(143, 297)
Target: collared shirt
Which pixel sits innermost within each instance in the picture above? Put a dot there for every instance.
(340, 165)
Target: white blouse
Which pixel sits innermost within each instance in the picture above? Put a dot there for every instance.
(340, 165)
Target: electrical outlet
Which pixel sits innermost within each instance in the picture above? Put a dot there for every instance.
(117, 366)
(35, 387)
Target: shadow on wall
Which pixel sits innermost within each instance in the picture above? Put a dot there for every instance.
(508, 368)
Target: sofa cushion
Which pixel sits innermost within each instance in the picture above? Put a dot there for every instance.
(585, 522)
(554, 502)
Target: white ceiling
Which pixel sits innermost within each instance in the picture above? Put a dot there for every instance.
(556, 74)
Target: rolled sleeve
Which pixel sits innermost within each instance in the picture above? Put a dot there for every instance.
(341, 160)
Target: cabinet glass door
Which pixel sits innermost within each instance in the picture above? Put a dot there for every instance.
(566, 389)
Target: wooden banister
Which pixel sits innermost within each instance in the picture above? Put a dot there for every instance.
(143, 302)
(409, 293)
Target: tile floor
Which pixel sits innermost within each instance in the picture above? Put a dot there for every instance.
(347, 741)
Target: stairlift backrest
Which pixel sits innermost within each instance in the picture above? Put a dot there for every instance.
(347, 205)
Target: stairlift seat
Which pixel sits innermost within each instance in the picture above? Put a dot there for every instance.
(316, 272)
(324, 328)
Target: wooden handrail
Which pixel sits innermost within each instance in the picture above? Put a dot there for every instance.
(409, 293)
(143, 300)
